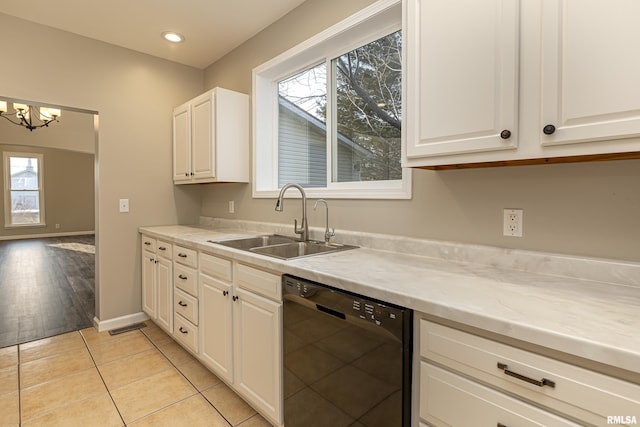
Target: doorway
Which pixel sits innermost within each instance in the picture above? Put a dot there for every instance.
(47, 271)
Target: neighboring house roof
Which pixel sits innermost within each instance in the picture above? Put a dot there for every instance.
(320, 125)
(26, 173)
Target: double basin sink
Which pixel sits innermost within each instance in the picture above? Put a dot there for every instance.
(282, 247)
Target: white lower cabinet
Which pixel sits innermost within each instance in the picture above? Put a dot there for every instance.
(157, 283)
(216, 328)
(258, 351)
(452, 400)
(240, 331)
(467, 380)
(185, 303)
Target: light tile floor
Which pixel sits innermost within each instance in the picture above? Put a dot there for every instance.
(138, 378)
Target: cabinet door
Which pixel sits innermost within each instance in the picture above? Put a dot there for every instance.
(203, 136)
(216, 329)
(258, 351)
(462, 76)
(590, 69)
(164, 289)
(148, 284)
(182, 143)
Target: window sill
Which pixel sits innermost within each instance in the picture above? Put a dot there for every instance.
(358, 194)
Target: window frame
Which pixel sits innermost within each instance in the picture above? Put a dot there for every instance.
(381, 18)
(6, 156)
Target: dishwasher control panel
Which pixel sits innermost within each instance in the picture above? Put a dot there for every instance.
(344, 304)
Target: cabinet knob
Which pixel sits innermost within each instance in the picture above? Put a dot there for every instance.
(549, 129)
(192, 173)
(186, 174)
(181, 304)
(505, 134)
(225, 293)
(235, 298)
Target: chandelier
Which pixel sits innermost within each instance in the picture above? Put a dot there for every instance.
(29, 116)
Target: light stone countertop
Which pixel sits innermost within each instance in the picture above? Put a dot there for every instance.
(585, 307)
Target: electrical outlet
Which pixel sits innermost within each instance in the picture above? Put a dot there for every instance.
(124, 205)
(232, 206)
(513, 222)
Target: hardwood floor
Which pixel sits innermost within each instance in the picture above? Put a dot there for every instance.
(47, 287)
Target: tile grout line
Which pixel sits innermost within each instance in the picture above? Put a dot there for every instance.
(185, 377)
(86, 344)
(176, 368)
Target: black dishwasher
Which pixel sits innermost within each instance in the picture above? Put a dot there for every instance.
(347, 358)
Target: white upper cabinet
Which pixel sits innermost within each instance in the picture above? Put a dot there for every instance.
(561, 76)
(211, 138)
(590, 70)
(462, 76)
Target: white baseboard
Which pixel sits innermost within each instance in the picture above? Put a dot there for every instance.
(45, 235)
(119, 322)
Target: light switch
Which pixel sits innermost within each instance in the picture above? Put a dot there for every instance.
(124, 205)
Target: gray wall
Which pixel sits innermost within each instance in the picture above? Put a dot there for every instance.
(134, 95)
(588, 209)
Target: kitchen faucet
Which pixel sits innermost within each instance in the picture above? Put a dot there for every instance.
(327, 234)
(304, 227)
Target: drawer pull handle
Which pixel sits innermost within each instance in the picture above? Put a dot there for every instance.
(182, 276)
(501, 425)
(162, 248)
(181, 255)
(147, 243)
(181, 304)
(540, 383)
(184, 331)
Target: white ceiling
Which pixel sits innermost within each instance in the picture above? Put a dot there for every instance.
(211, 28)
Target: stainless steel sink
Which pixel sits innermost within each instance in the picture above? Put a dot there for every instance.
(282, 247)
(300, 249)
(254, 242)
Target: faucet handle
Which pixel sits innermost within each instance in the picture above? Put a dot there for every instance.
(296, 229)
(329, 234)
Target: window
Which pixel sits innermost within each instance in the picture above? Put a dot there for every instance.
(24, 196)
(328, 113)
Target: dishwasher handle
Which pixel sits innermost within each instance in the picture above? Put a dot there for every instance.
(334, 313)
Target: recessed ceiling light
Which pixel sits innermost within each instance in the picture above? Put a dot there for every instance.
(173, 37)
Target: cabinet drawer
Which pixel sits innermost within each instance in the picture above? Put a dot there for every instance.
(186, 256)
(186, 279)
(165, 249)
(186, 333)
(259, 281)
(578, 392)
(186, 305)
(149, 244)
(451, 400)
(215, 266)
